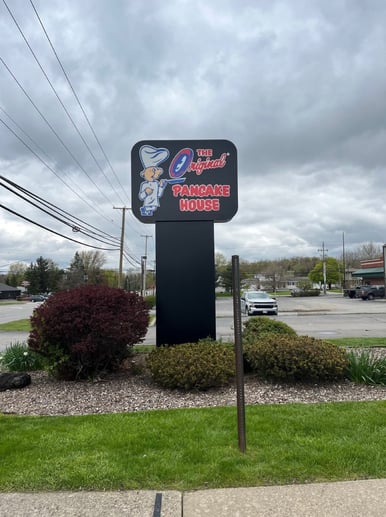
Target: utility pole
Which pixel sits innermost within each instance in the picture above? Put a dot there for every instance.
(384, 264)
(323, 251)
(123, 208)
(143, 266)
(344, 263)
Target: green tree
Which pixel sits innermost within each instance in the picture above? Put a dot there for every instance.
(110, 277)
(226, 278)
(43, 275)
(133, 282)
(16, 274)
(221, 264)
(301, 266)
(333, 272)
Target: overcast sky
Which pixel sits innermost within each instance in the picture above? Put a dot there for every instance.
(298, 86)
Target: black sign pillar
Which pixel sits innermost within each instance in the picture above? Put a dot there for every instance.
(185, 282)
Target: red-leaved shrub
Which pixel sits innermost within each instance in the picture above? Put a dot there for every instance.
(88, 330)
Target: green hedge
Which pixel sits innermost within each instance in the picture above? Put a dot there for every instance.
(259, 326)
(296, 358)
(306, 292)
(192, 366)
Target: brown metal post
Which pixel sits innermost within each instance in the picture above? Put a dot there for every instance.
(238, 353)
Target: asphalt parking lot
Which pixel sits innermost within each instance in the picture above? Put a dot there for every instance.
(332, 304)
(324, 316)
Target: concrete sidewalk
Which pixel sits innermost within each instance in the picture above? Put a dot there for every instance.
(344, 499)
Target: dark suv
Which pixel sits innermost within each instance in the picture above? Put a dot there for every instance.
(369, 292)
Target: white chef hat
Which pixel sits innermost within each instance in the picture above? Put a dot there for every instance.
(152, 156)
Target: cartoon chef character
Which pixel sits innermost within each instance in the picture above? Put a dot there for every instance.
(151, 189)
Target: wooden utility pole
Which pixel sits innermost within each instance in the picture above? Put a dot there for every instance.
(323, 250)
(123, 208)
(143, 266)
(344, 263)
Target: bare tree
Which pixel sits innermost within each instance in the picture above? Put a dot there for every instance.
(85, 268)
(365, 251)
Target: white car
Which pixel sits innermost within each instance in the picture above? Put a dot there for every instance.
(258, 302)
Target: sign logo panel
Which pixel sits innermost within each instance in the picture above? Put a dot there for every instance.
(179, 180)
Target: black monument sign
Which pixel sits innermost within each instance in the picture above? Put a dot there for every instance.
(184, 187)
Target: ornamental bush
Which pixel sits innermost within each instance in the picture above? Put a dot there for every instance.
(366, 367)
(192, 366)
(259, 326)
(296, 358)
(17, 357)
(86, 331)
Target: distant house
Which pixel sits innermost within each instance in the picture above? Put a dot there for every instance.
(294, 282)
(371, 272)
(7, 292)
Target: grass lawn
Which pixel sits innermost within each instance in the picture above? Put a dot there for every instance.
(24, 325)
(194, 448)
(16, 326)
(361, 342)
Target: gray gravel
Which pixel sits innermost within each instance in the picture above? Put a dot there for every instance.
(127, 393)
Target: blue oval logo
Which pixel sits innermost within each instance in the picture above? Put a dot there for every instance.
(181, 163)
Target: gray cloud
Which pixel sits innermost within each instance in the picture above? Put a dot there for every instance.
(299, 87)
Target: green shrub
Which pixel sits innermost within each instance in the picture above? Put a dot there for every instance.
(192, 366)
(366, 367)
(17, 357)
(86, 331)
(150, 301)
(296, 358)
(306, 292)
(260, 326)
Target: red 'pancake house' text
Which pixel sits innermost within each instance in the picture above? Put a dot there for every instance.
(200, 198)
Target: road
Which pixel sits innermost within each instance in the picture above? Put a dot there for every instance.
(322, 317)
(16, 311)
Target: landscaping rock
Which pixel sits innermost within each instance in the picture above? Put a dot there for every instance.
(14, 380)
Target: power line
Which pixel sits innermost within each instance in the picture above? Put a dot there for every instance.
(135, 263)
(70, 223)
(59, 99)
(53, 207)
(92, 206)
(45, 119)
(53, 170)
(74, 222)
(53, 231)
(126, 253)
(52, 129)
(24, 132)
(77, 98)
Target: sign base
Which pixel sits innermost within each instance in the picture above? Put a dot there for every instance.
(185, 282)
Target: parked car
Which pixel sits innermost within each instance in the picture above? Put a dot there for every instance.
(258, 302)
(369, 292)
(37, 298)
(353, 292)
